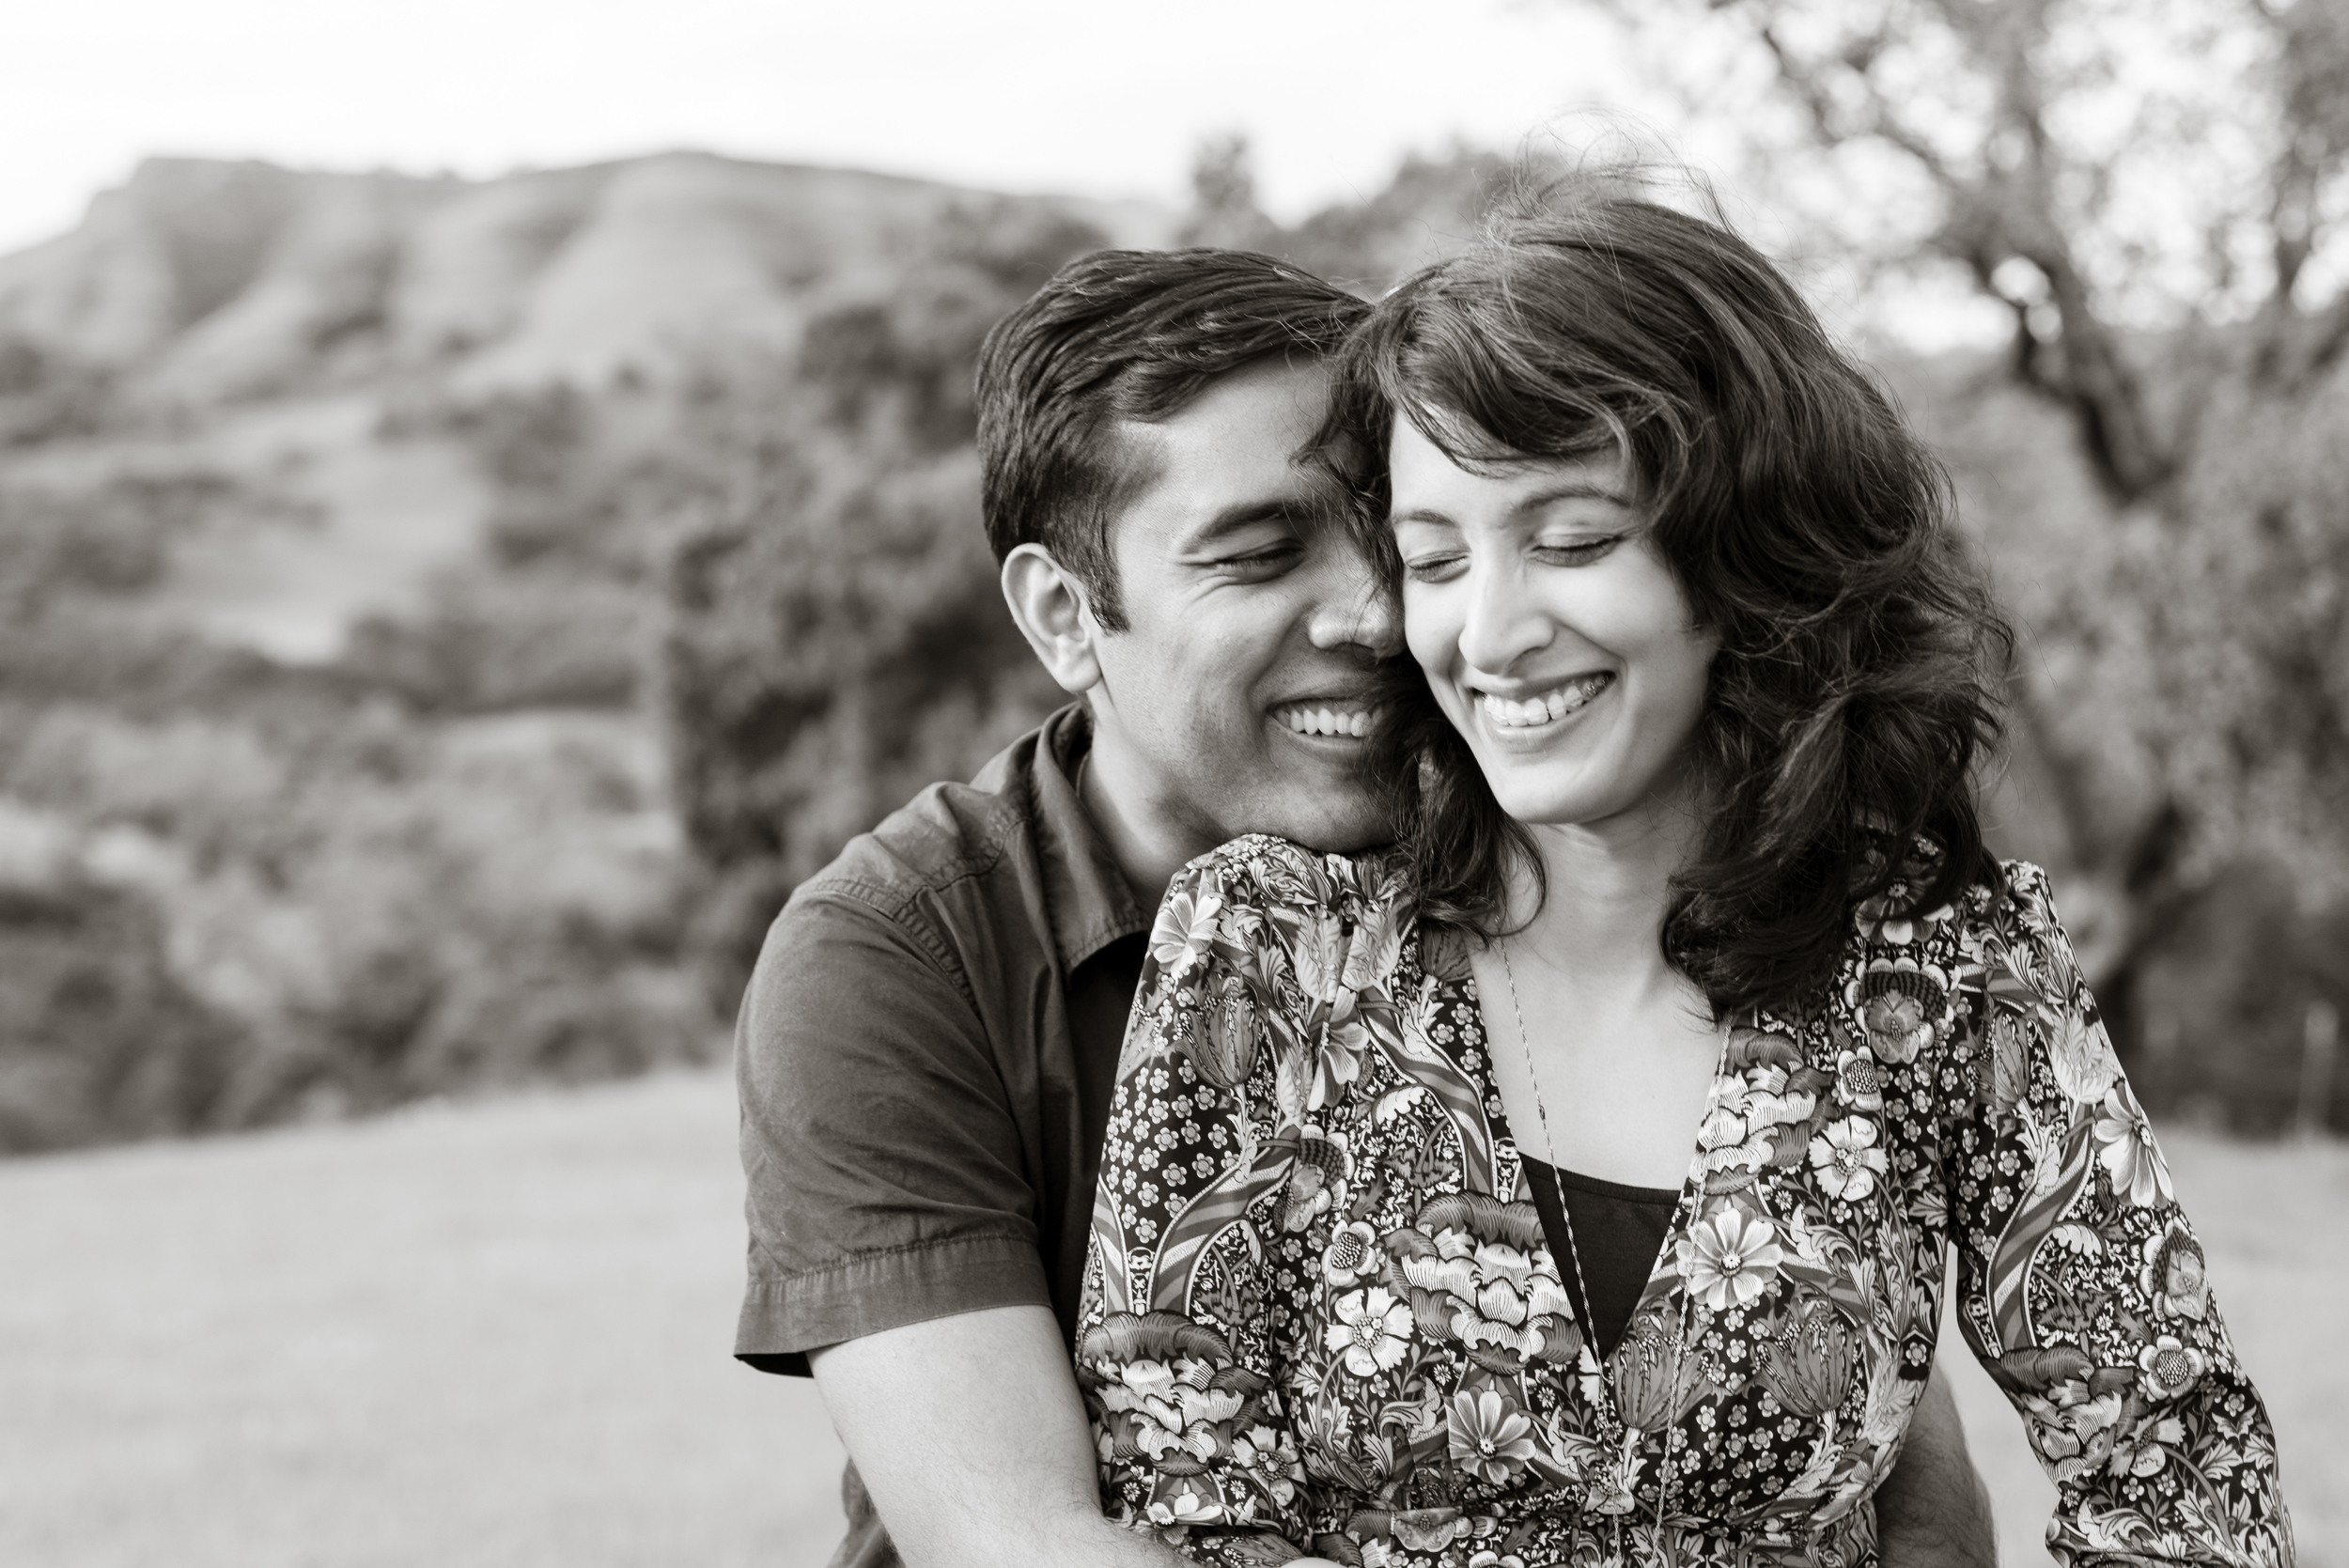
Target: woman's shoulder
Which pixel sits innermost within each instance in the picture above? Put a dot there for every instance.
(2001, 894)
(1909, 962)
(2009, 902)
(2018, 890)
(1269, 905)
(1265, 870)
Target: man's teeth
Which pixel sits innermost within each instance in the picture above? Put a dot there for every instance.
(1328, 721)
(1511, 713)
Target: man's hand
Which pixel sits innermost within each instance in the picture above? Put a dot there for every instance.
(972, 1441)
(1932, 1511)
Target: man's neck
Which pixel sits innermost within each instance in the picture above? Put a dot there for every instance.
(1119, 796)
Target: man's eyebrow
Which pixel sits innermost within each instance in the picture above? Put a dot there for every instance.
(1243, 515)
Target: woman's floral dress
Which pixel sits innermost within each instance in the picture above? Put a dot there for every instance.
(1321, 1317)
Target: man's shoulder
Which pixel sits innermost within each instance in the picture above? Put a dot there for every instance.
(948, 833)
(912, 917)
(987, 882)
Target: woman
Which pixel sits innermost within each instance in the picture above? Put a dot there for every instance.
(1573, 1182)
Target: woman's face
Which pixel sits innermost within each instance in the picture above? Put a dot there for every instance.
(1552, 633)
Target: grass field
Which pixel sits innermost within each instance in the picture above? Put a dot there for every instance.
(496, 1334)
(459, 1337)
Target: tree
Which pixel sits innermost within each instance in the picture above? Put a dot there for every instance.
(1223, 210)
(2145, 192)
(835, 635)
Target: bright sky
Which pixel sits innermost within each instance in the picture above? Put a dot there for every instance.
(1090, 97)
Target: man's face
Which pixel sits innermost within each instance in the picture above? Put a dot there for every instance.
(1236, 700)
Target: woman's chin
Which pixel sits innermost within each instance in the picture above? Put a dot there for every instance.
(1600, 784)
(1585, 802)
(1553, 808)
(1550, 789)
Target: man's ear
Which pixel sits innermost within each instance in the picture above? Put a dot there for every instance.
(1048, 605)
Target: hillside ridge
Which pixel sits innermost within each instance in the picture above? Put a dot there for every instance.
(198, 280)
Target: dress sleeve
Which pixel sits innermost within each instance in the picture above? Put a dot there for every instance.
(2082, 1285)
(1176, 1343)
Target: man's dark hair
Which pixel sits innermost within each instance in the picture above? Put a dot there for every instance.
(1862, 655)
(1124, 335)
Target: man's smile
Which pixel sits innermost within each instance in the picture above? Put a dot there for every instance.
(1343, 717)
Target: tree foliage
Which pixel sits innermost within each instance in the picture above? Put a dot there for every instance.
(2147, 196)
(834, 636)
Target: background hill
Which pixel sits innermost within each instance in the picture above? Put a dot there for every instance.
(339, 515)
(200, 280)
(439, 620)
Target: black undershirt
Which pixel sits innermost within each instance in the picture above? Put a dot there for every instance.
(1618, 1229)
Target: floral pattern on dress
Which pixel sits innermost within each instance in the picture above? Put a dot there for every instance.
(1321, 1316)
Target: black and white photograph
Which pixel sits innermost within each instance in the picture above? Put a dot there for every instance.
(1514, 784)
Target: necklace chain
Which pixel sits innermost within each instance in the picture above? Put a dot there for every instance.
(1541, 1112)
(1573, 1251)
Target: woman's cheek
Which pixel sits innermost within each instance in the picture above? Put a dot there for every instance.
(1419, 634)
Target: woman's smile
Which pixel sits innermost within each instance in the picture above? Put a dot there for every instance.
(1542, 712)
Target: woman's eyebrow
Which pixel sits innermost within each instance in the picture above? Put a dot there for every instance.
(1573, 490)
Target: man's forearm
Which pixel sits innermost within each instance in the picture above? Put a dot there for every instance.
(971, 1439)
(1931, 1512)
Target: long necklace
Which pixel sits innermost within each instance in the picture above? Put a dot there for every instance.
(1574, 1252)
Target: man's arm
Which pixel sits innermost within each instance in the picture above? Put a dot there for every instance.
(971, 1439)
(891, 1217)
(1931, 1512)
(883, 1157)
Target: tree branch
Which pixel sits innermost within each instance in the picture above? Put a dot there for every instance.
(2000, 212)
(1801, 78)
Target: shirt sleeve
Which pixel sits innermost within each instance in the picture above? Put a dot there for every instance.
(1174, 1353)
(885, 1178)
(2081, 1286)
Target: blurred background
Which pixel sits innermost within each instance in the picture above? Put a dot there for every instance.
(487, 503)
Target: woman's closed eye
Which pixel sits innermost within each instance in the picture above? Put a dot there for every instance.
(1442, 566)
(1575, 551)
(1435, 566)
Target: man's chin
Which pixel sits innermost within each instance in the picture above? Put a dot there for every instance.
(1331, 827)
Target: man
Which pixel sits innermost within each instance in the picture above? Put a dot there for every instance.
(929, 1042)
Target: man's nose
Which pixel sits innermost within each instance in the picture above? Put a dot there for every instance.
(1357, 609)
(1503, 624)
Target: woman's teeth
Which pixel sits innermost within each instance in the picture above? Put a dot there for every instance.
(1328, 721)
(1532, 712)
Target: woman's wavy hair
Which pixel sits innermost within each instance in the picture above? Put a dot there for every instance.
(1862, 652)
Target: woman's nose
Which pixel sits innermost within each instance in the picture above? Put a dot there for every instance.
(1503, 623)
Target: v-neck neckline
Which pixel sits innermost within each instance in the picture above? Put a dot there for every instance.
(1691, 1195)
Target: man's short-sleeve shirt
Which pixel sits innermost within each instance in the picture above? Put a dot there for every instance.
(926, 1054)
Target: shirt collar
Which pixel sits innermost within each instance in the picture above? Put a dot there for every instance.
(1086, 895)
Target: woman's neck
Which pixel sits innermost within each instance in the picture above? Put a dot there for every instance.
(1609, 884)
